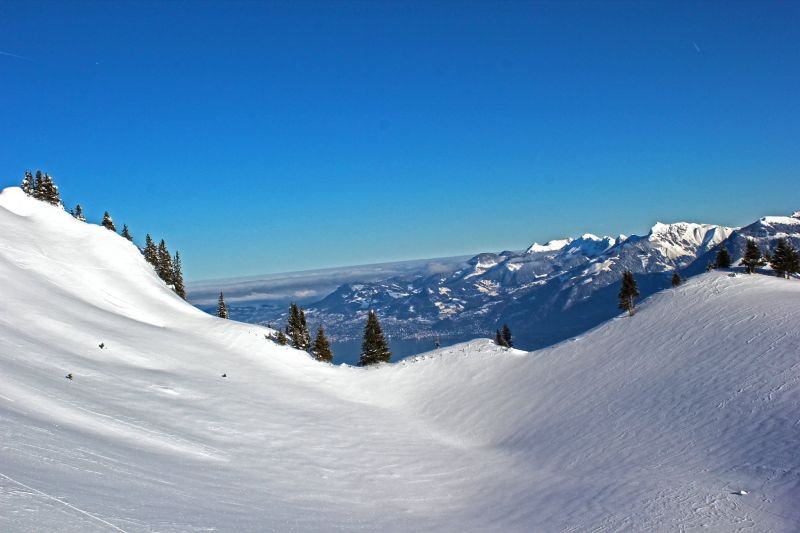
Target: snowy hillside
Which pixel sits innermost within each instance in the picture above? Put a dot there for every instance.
(645, 423)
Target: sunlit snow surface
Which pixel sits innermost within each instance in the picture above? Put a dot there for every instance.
(686, 416)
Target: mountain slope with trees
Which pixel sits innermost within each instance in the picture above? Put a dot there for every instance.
(654, 422)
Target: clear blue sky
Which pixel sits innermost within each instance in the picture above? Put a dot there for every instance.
(277, 136)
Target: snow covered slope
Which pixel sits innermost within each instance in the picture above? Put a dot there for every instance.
(645, 423)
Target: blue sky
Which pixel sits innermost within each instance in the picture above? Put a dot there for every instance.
(278, 136)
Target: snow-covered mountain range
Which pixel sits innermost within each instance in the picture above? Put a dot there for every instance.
(539, 289)
(681, 418)
(547, 293)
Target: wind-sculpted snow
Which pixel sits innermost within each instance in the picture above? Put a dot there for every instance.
(650, 423)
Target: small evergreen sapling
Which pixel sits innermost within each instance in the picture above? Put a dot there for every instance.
(676, 279)
(752, 259)
(723, 257)
(322, 349)
(108, 222)
(374, 349)
(628, 292)
(222, 309)
(79, 213)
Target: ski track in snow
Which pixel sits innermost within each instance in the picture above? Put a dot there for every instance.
(65, 504)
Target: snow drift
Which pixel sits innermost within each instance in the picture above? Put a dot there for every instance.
(684, 416)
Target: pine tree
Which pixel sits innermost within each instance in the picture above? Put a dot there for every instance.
(27, 183)
(297, 328)
(164, 265)
(150, 251)
(38, 186)
(723, 257)
(50, 194)
(304, 328)
(785, 260)
(322, 349)
(374, 349)
(506, 334)
(126, 233)
(222, 309)
(498, 339)
(108, 222)
(281, 338)
(628, 292)
(177, 276)
(752, 259)
(79, 213)
(676, 279)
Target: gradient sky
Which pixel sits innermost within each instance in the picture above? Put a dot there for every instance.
(279, 136)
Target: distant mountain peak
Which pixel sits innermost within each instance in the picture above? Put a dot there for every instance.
(550, 246)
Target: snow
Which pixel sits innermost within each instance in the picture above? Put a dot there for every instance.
(674, 240)
(549, 246)
(649, 423)
(792, 220)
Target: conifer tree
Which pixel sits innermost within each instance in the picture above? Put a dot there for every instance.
(322, 349)
(374, 349)
(177, 276)
(506, 334)
(298, 329)
(281, 338)
(50, 194)
(752, 259)
(723, 257)
(27, 183)
(126, 233)
(785, 260)
(676, 279)
(108, 222)
(498, 339)
(150, 252)
(222, 309)
(304, 328)
(628, 292)
(164, 266)
(293, 323)
(38, 186)
(79, 213)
